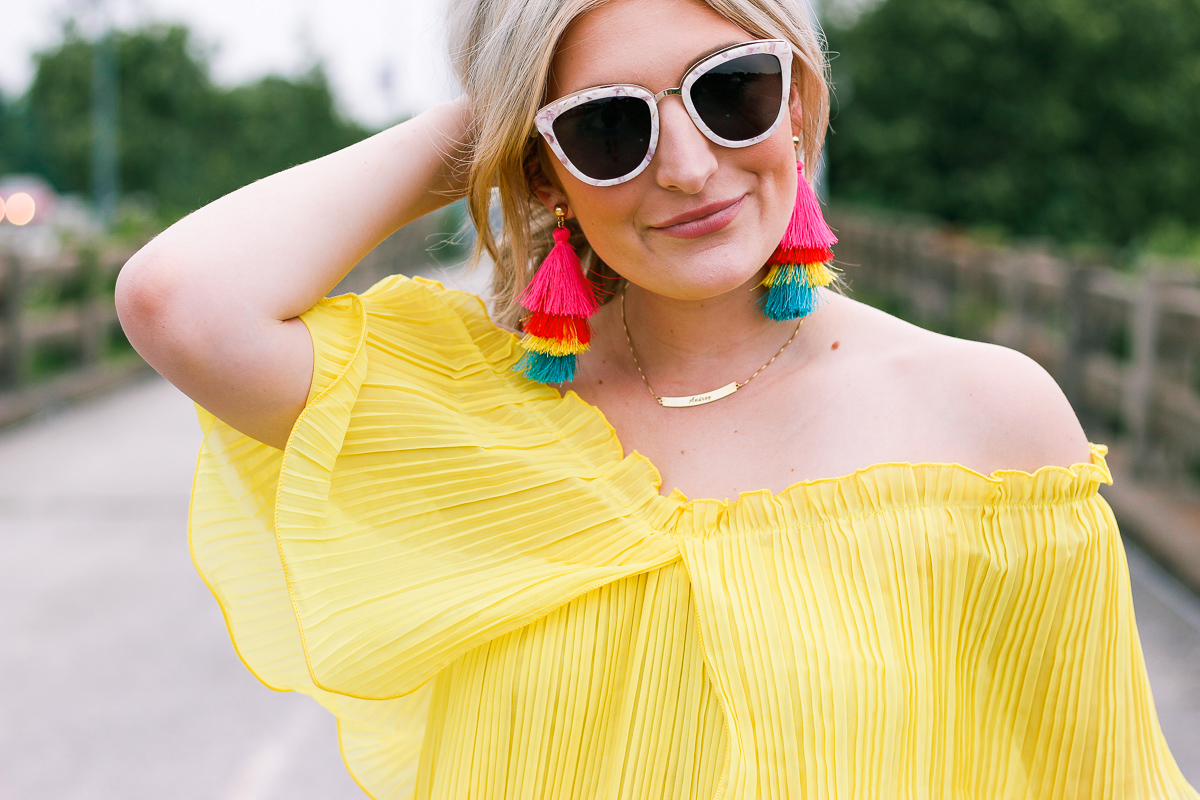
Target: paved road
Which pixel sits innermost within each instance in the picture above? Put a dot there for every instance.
(118, 679)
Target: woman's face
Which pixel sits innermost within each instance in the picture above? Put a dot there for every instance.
(651, 43)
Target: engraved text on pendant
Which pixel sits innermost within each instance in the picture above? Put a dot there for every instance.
(699, 399)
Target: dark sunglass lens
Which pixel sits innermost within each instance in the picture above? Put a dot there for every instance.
(605, 138)
(740, 99)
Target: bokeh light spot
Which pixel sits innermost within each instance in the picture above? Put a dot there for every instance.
(1, 209)
(19, 209)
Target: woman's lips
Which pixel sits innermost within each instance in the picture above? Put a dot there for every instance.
(709, 223)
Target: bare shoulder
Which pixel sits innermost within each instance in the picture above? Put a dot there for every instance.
(1019, 411)
(990, 406)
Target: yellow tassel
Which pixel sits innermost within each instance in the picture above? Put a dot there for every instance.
(818, 274)
(771, 275)
(814, 275)
(552, 347)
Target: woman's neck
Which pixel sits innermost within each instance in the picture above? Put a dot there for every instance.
(688, 346)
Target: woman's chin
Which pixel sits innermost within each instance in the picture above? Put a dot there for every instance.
(698, 286)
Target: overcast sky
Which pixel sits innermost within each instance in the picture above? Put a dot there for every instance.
(385, 58)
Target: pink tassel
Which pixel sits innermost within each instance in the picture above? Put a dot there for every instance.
(807, 229)
(559, 286)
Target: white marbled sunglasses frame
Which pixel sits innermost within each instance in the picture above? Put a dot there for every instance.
(546, 115)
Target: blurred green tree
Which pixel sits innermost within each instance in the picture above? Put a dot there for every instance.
(1077, 119)
(183, 141)
(7, 137)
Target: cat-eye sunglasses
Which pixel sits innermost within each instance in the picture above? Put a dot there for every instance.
(607, 135)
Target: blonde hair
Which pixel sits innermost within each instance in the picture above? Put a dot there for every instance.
(501, 51)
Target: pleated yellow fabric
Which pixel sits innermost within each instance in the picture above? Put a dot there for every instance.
(496, 602)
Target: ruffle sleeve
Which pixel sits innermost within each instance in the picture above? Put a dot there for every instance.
(427, 501)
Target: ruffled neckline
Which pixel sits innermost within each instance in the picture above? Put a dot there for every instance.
(875, 489)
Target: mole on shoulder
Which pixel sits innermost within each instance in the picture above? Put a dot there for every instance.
(834, 346)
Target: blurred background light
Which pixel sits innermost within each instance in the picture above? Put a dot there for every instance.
(19, 208)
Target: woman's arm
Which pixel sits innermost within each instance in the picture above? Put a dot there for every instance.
(211, 303)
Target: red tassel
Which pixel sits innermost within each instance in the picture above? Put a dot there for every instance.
(807, 230)
(558, 328)
(559, 286)
(819, 255)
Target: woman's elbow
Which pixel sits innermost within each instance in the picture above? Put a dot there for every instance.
(145, 294)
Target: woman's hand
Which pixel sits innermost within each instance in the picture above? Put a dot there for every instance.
(211, 303)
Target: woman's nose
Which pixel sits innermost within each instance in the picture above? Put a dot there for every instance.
(683, 160)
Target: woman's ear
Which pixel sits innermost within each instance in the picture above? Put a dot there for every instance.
(544, 184)
(796, 111)
(551, 197)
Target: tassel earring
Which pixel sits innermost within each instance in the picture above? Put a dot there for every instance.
(801, 262)
(559, 300)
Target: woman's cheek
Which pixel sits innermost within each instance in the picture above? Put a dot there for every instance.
(609, 221)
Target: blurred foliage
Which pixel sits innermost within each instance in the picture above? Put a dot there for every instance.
(183, 141)
(1076, 119)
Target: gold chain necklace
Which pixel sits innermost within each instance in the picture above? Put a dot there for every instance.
(705, 397)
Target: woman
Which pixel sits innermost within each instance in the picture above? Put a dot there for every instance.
(502, 590)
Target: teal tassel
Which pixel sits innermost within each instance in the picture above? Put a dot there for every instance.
(546, 368)
(790, 297)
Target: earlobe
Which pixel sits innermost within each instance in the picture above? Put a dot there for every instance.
(550, 196)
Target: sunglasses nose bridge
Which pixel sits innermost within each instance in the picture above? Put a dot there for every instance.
(677, 91)
(686, 110)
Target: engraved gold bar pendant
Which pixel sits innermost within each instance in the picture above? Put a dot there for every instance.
(699, 399)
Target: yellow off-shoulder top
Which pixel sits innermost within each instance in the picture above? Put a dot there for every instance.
(496, 602)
